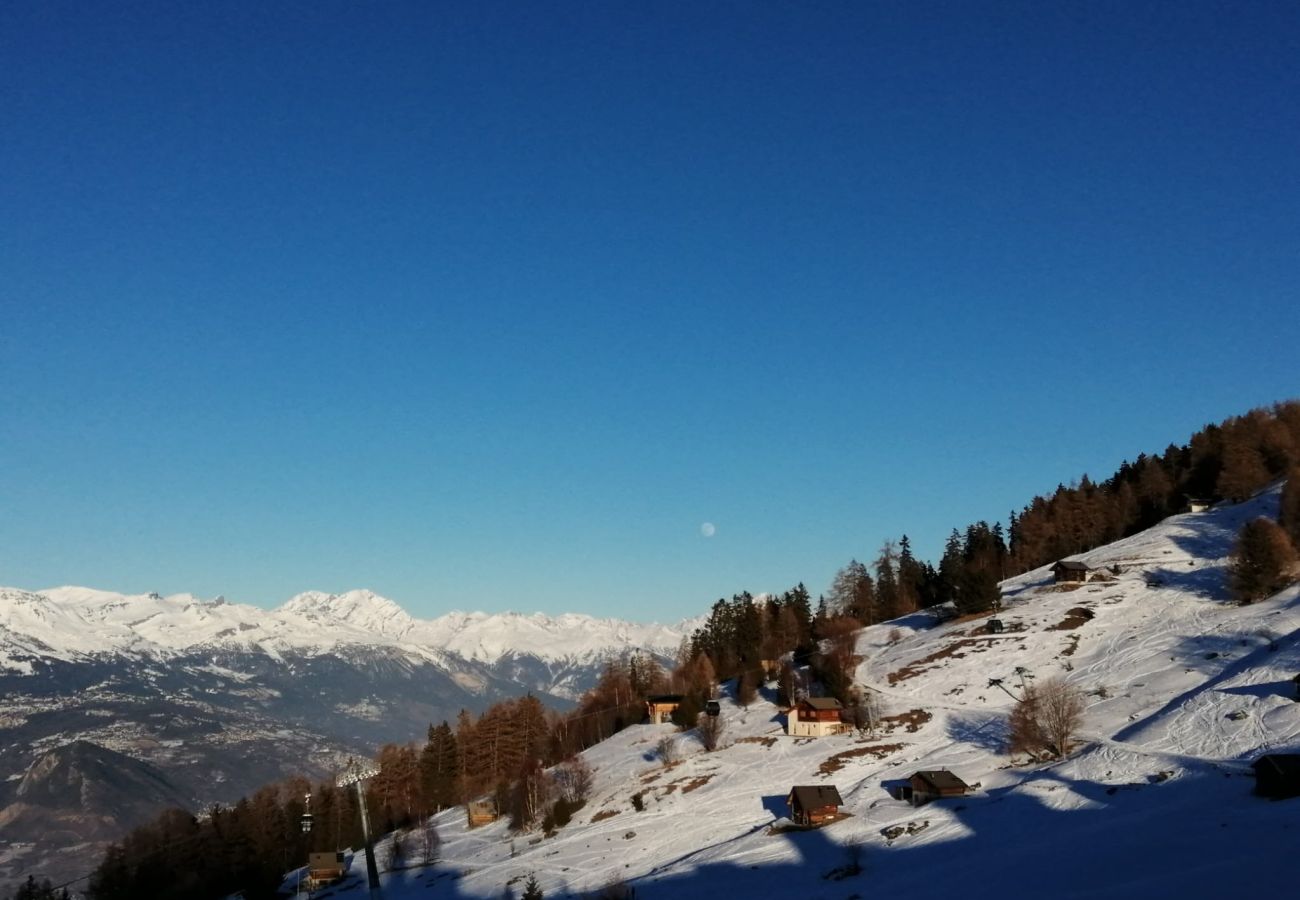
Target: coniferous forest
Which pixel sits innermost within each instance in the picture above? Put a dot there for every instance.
(525, 756)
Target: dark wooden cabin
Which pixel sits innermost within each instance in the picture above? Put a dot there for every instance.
(933, 784)
(814, 805)
(1277, 775)
(1070, 571)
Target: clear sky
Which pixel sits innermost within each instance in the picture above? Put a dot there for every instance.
(495, 305)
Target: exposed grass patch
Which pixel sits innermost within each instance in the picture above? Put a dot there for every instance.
(765, 741)
(604, 814)
(697, 783)
(955, 650)
(836, 762)
(1073, 619)
(912, 720)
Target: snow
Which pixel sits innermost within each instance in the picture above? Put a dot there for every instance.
(1156, 802)
(73, 623)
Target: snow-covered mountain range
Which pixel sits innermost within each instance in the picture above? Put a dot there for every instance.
(75, 623)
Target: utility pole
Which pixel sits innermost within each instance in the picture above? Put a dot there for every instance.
(355, 774)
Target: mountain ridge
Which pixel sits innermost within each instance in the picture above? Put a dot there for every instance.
(72, 622)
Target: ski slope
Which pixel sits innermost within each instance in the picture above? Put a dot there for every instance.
(1157, 801)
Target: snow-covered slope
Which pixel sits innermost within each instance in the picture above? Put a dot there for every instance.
(1183, 690)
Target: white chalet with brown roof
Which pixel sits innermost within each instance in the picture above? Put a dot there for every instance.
(816, 717)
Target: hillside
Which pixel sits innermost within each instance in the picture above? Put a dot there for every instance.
(1183, 691)
(222, 698)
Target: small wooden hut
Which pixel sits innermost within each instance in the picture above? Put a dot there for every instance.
(1070, 571)
(814, 805)
(932, 784)
(659, 709)
(324, 868)
(482, 811)
(1277, 775)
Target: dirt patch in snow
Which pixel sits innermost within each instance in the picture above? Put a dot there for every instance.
(604, 814)
(955, 650)
(1073, 619)
(912, 720)
(1071, 645)
(697, 783)
(765, 741)
(836, 762)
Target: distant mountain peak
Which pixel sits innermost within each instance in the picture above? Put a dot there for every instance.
(361, 608)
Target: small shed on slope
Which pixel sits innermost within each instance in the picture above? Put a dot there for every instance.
(1277, 775)
(932, 784)
(1070, 571)
(659, 709)
(814, 804)
(324, 868)
(482, 811)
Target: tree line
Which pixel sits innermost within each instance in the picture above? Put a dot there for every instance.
(518, 752)
(1228, 461)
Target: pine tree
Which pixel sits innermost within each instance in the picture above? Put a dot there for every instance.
(439, 764)
(1243, 472)
(951, 568)
(1263, 561)
(1288, 515)
(887, 590)
(531, 889)
(911, 579)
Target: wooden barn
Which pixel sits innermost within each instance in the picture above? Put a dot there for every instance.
(659, 710)
(1070, 571)
(1277, 775)
(995, 626)
(482, 812)
(814, 805)
(324, 868)
(933, 784)
(816, 717)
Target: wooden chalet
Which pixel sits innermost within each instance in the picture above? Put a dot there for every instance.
(995, 626)
(816, 717)
(1277, 775)
(814, 805)
(1197, 504)
(933, 784)
(1070, 571)
(324, 868)
(482, 812)
(659, 710)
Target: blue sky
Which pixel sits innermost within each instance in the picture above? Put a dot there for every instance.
(491, 306)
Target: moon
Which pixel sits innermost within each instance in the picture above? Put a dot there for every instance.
(708, 530)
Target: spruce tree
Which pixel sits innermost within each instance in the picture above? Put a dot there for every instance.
(1263, 561)
(1288, 515)
(531, 889)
